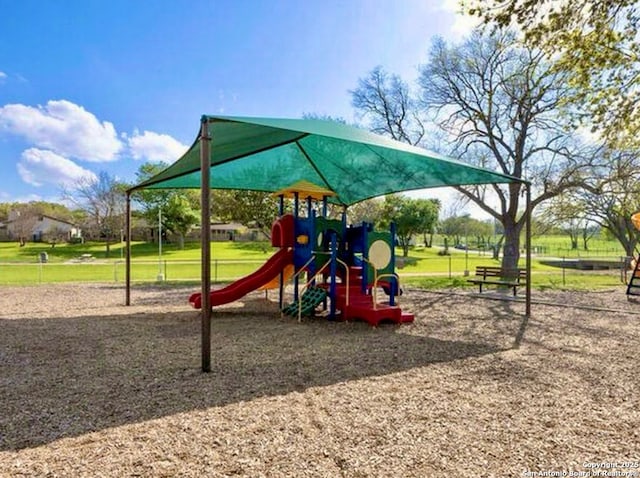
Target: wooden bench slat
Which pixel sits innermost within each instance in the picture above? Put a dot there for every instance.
(495, 276)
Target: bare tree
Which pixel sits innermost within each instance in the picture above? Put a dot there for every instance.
(568, 214)
(500, 103)
(386, 102)
(56, 234)
(103, 200)
(24, 222)
(612, 195)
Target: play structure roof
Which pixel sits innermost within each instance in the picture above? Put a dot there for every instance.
(305, 189)
(269, 154)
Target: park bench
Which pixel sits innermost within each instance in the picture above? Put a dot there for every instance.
(495, 276)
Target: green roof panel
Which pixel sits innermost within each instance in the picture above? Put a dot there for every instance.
(267, 154)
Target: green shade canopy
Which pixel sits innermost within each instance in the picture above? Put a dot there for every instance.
(268, 154)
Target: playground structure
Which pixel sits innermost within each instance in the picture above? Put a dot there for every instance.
(345, 267)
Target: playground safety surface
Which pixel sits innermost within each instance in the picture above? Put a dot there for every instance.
(471, 388)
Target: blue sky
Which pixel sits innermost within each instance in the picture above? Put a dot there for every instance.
(104, 85)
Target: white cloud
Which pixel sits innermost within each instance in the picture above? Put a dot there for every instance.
(64, 128)
(39, 167)
(462, 24)
(3, 76)
(589, 137)
(6, 197)
(155, 147)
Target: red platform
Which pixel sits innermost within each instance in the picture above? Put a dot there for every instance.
(361, 306)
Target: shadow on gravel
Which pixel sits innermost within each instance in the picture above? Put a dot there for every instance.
(64, 377)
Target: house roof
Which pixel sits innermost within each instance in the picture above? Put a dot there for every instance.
(9, 221)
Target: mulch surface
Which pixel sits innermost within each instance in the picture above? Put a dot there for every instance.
(89, 387)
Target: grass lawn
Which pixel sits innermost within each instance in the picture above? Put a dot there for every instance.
(20, 265)
(230, 260)
(560, 246)
(12, 252)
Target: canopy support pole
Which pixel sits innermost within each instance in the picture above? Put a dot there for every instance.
(296, 279)
(127, 267)
(205, 236)
(281, 283)
(528, 250)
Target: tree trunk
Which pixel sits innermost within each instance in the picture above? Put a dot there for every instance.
(180, 240)
(585, 239)
(630, 248)
(108, 251)
(511, 254)
(574, 241)
(405, 248)
(496, 248)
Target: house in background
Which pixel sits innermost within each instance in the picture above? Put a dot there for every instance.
(227, 231)
(38, 228)
(224, 231)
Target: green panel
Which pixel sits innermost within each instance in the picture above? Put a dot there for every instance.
(322, 225)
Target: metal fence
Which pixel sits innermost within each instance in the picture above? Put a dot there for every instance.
(225, 270)
(114, 271)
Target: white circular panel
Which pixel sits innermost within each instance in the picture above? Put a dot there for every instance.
(380, 254)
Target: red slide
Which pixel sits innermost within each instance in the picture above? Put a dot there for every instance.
(242, 287)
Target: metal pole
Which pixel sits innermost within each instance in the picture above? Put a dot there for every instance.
(160, 274)
(466, 251)
(281, 282)
(205, 233)
(394, 286)
(466, 260)
(528, 251)
(296, 279)
(127, 267)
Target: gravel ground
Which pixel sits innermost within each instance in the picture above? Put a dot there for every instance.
(91, 388)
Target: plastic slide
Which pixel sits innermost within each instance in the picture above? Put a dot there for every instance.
(242, 287)
(274, 283)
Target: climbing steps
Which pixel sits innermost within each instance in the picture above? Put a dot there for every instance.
(633, 287)
(311, 298)
(361, 305)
